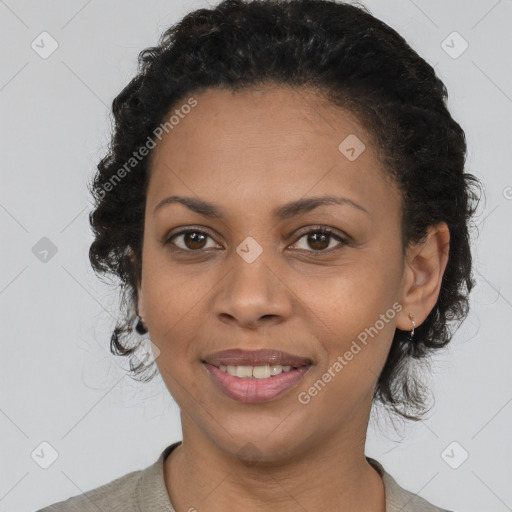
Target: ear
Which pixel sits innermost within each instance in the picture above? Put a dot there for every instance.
(140, 302)
(424, 268)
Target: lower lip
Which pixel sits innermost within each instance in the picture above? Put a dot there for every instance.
(256, 390)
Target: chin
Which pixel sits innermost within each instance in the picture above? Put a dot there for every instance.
(257, 448)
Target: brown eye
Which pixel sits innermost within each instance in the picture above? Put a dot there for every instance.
(319, 240)
(190, 240)
(194, 240)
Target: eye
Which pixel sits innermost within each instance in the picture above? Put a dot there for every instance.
(191, 240)
(319, 240)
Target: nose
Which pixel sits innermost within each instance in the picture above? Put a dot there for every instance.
(253, 294)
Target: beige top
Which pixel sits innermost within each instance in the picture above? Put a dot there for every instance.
(145, 491)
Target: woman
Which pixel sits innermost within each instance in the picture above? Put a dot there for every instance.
(285, 203)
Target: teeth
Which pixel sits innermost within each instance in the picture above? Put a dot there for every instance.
(242, 371)
(256, 372)
(261, 372)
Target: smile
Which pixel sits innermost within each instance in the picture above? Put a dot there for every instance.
(254, 384)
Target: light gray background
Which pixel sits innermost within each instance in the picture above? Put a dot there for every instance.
(58, 381)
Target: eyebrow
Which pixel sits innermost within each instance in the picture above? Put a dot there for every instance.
(283, 212)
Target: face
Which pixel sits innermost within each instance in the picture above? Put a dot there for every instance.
(257, 276)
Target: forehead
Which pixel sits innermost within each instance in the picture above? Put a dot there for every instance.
(259, 118)
(267, 143)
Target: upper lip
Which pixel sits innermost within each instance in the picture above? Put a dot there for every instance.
(239, 357)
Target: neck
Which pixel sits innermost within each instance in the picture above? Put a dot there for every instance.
(330, 474)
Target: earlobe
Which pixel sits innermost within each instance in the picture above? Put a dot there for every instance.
(141, 310)
(140, 305)
(424, 269)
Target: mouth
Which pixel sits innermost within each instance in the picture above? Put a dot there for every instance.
(256, 376)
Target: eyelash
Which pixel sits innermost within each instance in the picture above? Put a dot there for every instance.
(320, 229)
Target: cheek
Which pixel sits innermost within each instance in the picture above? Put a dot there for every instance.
(175, 318)
(173, 301)
(174, 312)
(354, 303)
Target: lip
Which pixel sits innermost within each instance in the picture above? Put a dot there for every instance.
(239, 357)
(256, 390)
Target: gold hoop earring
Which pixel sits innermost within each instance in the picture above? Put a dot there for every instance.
(411, 318)
(410, 337)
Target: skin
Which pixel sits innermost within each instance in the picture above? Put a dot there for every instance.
(249, 152)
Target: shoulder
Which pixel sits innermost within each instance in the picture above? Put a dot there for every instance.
(139, 490)
(117, 495)
(399, 499)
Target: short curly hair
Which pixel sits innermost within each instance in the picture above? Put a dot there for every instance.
(355, 61)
